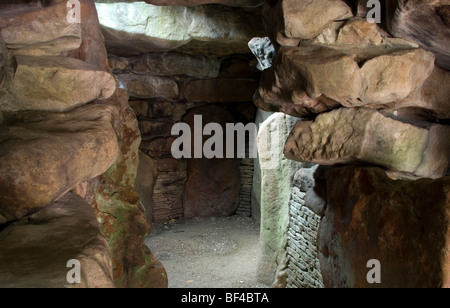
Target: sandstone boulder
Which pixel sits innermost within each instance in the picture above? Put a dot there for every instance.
(39, 30)
(305, 81)
(212, 186)
(389, 78)
(53, 83)
(402, 224)
(92, 49)
(351, 135)
(48, 154)
(148, 86)
(301, 17)
(291, 21)
(36, 250)
(174, 64)
(207, 30)
(313, 79)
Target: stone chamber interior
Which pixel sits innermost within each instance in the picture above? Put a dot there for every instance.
(352, 137)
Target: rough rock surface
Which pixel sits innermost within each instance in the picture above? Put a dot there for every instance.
(389, 78)
(207, 193)
(145, 181)
(351, 135)
(277, 174)
(92, 49)
(147, 86)
(291, 21)
(56, 84)
(173, 64)
(38, 30)
(425, 22)
(209, 30)
(313, 79)
(263, 50)
(116, 203)
(45, 155)
(402, 224)
(35, 250)
(301, 17)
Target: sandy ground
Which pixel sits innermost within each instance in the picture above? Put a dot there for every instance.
(208, 253)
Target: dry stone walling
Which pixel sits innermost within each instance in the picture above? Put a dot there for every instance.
(375, 102)
(368, 102)
(195, 62)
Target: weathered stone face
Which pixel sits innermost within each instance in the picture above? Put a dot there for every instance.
(309, 80)
(36, 250)
(301, 17)
(116, 204)
(48, 154)
(402, 224)
(351, 135)
(174, 64)
(273, 186)
(147, 86)
(212, 185)
(208, 30)
(56, 84)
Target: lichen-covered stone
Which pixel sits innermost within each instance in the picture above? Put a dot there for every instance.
(351, 135)
(116, 204)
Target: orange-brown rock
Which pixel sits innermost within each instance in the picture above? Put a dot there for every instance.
(403, 224)
(45, 155)
(33, 29)
(312, 79)
(37, 249)
(53, 83)
(353, 135)
(212, 186)
(291, 21)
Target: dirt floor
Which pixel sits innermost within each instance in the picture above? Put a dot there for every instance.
(208, 253)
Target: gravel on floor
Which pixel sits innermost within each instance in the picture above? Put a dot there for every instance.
(217, 252)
